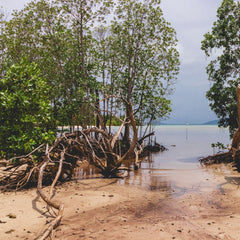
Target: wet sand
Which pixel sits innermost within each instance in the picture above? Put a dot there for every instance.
(201, 203)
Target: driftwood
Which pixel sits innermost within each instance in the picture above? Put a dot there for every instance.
(103, 152)
(60, 207)
(48, 165)
(56, 163)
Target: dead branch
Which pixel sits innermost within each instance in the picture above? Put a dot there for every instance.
(118, 133)
(144, 137)
(58, 206)
(26, 156)
(58, 174)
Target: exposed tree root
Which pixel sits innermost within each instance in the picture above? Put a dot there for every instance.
(60, 207)
(46, 165)
(225, 157)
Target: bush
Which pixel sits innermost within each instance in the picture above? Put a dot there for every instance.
(25, 110)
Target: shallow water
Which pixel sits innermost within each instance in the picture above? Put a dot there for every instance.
(186, 144)
(178, 170)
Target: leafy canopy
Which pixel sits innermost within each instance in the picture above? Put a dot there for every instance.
(85, 56)
(141, 60)
(223, 70)
(25, 110)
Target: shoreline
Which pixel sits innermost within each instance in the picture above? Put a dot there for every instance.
(100, 208)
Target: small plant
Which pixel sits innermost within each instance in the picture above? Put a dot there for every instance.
(218, 147)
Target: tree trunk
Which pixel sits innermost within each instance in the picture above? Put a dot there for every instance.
(238, 104)
(133, 142)
(236, 136)
(126, 138)
(97, 105)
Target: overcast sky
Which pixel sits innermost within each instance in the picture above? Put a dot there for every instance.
(191, 19)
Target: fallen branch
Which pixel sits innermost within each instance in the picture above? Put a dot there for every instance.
(58, 174)
(58, 206)
(26, 156)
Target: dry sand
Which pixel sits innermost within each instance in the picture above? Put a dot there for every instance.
(180, 204)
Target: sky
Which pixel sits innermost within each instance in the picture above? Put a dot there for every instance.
(191, 19)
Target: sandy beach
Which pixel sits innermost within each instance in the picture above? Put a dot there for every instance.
(191, 204)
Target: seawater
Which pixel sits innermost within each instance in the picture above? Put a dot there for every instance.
(186, 144)
(177, 170)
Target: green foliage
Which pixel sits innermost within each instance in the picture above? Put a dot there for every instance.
(25, 110)
(146, 49)
(84, 58)
(223, 71)
(219, 146)
(116, 122)
(139, 57)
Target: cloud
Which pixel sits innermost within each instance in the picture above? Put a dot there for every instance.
(9, 5)
(191, 19)
(190, 12)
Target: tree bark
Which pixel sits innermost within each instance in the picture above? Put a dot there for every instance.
(238, 104)
(58, 206)
(236, 136)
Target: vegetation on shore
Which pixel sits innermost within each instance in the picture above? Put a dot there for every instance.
(62, 63)
(98, 63)
(94, 64)
(72, 63)
(222, 45)
(223, 72)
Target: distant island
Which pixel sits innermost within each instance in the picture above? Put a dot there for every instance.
(214, 122)
(159, 122)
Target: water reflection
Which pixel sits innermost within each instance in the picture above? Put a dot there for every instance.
(145, 177)
(160, 183)
(86, 171)
(176, 171)
(149, 180)
(219, 169)
(171, 182)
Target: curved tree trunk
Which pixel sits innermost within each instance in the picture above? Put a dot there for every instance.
(133, 142)
(236, 136)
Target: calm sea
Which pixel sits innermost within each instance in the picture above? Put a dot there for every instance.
(186, 144)
(178, 170)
